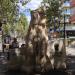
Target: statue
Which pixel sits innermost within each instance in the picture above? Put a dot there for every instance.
(37, 41)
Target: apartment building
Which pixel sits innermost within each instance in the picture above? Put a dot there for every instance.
(72, 18)
(65, 11)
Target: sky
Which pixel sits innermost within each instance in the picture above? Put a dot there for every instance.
(32, 5)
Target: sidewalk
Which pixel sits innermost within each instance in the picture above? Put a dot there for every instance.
(3, 63)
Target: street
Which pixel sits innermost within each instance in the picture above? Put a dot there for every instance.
(70, 64)
(4, 68)
(70, 61)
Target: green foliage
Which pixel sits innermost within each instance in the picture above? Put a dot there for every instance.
(25, 2)
(6, 29)
(52, 11)
(22, 26)
(8, 9)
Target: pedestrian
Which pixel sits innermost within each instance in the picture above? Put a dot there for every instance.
(15, 43)
(15, 46)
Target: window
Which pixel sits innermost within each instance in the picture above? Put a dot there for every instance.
(70, 33)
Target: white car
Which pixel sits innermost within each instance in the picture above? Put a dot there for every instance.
(70, 50)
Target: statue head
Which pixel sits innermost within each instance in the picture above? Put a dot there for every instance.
(38, 17)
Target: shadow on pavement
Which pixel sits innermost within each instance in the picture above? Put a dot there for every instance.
(55, 72)
(51, 72)
(16, 72)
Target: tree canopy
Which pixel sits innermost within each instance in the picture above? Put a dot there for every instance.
(22, 26)
(9, 12)
(52, 11)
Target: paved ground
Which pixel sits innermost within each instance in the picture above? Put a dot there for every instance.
(71, 65)
(4, 67)
(3, 63)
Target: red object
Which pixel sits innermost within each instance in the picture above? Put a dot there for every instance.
(72, 19)
(72, 3)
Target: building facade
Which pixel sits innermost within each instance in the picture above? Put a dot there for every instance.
(72, 18)
(65, 11)
(68, 8)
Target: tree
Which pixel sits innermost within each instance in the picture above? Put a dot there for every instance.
(19, 27)
(9, 9)
(9, 13)
(6, 29)
(52, 11)
(22, 26)
(24, 2)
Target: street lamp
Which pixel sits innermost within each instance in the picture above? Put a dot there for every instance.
(64, 35)
(64, 15)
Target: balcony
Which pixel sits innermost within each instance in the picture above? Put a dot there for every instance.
(65, 5)
(66, 20)
(72, 3)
